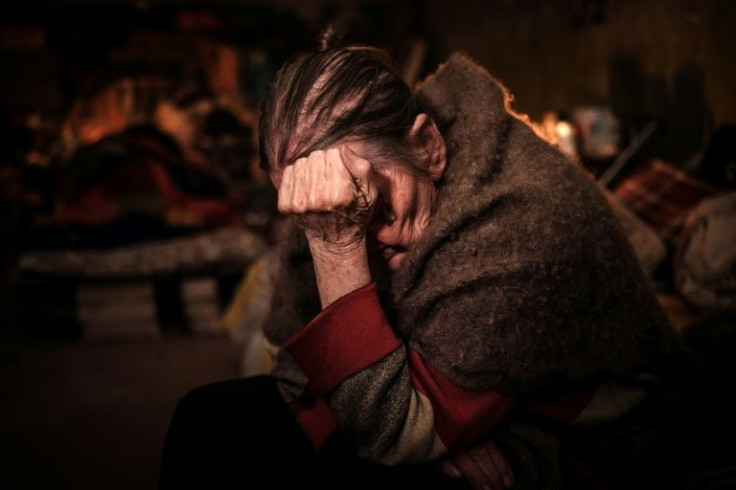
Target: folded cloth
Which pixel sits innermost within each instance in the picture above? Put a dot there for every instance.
(225, 249)
(246, 313)
(705, 261)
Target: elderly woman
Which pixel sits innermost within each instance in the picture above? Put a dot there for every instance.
(454, 290)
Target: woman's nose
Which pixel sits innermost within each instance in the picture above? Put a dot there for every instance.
(382, 232)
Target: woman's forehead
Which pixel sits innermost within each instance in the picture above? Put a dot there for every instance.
(358, 145)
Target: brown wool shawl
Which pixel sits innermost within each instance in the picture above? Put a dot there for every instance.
(523, 282)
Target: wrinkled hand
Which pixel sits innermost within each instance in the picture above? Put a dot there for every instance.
(331, 195)
(483, 465)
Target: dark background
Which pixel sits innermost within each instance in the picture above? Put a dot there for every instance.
(79, 414)
(673, 60)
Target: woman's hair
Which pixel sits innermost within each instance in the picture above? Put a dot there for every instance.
(336, 92)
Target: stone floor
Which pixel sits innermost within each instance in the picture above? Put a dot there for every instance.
(93, 415)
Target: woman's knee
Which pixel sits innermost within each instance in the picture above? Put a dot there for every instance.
(196, 402)
(218, 401)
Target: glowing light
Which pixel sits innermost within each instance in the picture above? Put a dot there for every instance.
(564, 129)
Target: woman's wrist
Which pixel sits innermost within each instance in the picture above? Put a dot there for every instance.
(336, 249)
(340, 268)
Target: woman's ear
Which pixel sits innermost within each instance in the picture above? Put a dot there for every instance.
(427, 137)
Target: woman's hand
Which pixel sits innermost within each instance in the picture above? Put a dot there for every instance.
(483, 465)
(331, 195)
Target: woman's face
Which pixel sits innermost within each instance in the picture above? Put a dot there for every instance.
(402, 211)
(405, 198)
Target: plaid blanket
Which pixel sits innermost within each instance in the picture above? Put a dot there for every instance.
(662, 195)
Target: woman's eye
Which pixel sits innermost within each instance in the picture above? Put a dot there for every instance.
(387, 214)
(381, 211)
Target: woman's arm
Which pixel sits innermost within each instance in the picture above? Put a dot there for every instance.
(393, 405)
(331, 197)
